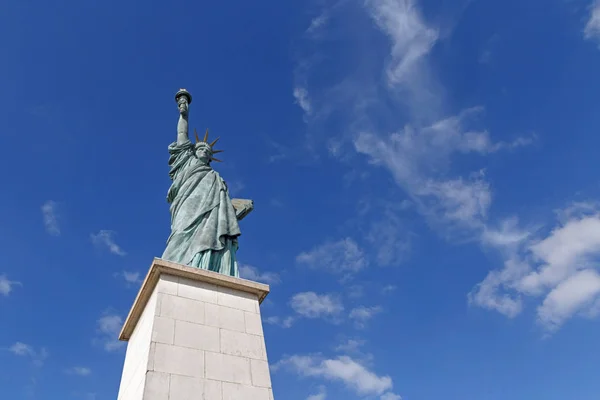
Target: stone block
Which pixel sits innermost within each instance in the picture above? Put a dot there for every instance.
(182, 309)
(233, 391)
(178, 360)
(157, 386)
(237, 299)
(261, 375)
(242, 345)
(195, 290)
(186, 388)
(163, 330)
(167, 284)
(223, 367)
(196, 336)
(224, 317)
(253, 323)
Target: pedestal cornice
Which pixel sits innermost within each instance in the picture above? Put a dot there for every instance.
(160, 266)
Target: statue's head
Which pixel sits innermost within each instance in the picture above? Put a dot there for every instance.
(204, 150)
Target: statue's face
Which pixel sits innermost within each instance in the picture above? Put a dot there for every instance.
(182, 104)
(203, 152)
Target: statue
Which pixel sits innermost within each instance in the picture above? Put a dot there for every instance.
(204, 220)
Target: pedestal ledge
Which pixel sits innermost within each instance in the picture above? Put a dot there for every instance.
(160, 266)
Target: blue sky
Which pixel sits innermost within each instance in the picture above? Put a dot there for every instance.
(425, 177)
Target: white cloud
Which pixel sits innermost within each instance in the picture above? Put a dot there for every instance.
(350, 346)
(388, 289)
(105, 239)
(286, 322)
(317, 24)
(361, 315)
(344, 369)
(321, 395)
(130, 278)
(312, 305)
(302, 99)
(21, 349)
(49, 212)
(569, 297)
(252, 273)
(560, 267)
(389, 239)
(235, 187)
(109, 326)
(411, 158)
(592, 27)
(506, 236)
(419, 159)
(85, 396)
(411, 38)
(405, 127)
(458, 201)
(488, 293)
(355, 291)
(81, 371)
(24, 350)
(6, 286)
(390, 396)
(566, 249)
(341, 257)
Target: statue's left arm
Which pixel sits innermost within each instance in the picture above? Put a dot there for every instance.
(242, 207)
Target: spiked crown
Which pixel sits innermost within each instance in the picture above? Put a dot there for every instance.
(205, 140)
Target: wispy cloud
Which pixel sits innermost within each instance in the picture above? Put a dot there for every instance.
(252, 273)
(321, 395)
(341, 257)
(285, 322)
(343, 369)
(404, 127)
(302, 99)
(361, 315)
(592, 27)
(108, 327)
(313, 305)
(24, 350)
(130, 278)
(389, 239)
(106, 239)
(560, 266)
(411, 38)
(50, 215)
(355, 291)
(6, 285)
(350, 346)
(279, 152)
(81, 371)
(235, 187)
(317, 24)
(85, 395)
(388, 289)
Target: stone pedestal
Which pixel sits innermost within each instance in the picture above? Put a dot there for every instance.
(195, 335)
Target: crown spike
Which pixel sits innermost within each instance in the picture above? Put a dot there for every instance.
(196, 133)
(206, 136)
(216, 159)
(217, 151)
(215, 141)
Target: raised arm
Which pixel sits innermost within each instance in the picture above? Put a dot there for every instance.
(183, 101)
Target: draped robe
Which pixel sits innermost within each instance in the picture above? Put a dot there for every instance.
(204, 226)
